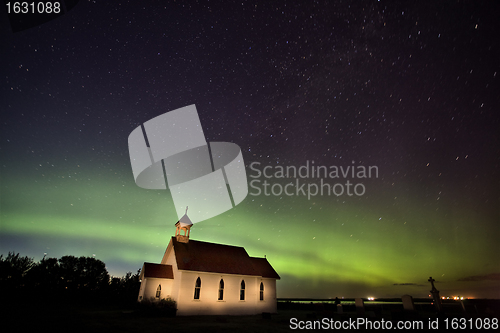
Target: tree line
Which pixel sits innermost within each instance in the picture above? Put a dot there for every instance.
(68, 278)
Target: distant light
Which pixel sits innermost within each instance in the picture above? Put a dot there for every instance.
(371, 298)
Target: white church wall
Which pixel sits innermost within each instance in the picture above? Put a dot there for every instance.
(142, 289)
(169, 259)
(149, 286)
(269, 303)
(208, 303)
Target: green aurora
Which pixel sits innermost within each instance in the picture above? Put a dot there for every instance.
(325, 247)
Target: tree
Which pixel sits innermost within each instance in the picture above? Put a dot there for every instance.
(83, 274)
(14, 268)
(13, 274)
(69, 276)
(45, 276)
(126, 288)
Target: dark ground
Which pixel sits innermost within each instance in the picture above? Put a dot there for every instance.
(36, 316)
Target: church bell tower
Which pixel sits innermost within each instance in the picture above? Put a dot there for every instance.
(183, 228)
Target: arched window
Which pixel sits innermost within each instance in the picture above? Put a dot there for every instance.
(261, 291)
(242, 290)
(197, 288)
(158, 291)
(221, 290)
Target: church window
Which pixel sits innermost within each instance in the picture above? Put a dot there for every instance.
(158, 291)
(221, 290)
(261, 291)
(197, 288)
(242, 290)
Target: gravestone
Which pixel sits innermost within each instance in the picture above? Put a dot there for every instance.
(360, 306)
(408, 303)
(463, 306)
(338, 305)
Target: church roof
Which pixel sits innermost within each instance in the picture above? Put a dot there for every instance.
(219, 258)
(264, 267)
(157, 271)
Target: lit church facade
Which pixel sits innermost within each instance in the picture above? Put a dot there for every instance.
(209, 279)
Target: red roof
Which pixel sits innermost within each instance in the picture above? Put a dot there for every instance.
(219, 258)
(265, 269)
(157, 271)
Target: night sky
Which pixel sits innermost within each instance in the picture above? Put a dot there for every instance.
(409, 87)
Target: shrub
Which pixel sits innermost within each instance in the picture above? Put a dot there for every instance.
(165, 307)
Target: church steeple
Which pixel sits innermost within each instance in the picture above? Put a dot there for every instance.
(183, 224)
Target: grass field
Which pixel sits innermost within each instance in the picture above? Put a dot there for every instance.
(116, 319)
(37, 316)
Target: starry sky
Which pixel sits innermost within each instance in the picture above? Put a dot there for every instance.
(409, 87)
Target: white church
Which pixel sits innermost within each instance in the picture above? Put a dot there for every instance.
(208, 278)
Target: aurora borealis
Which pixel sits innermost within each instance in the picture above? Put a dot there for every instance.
(409, 88)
